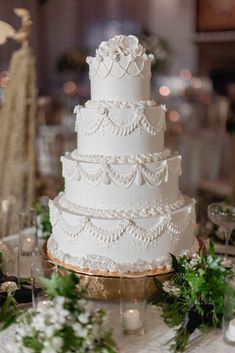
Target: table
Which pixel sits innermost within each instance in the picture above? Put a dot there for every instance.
(158, 333)
(152, 342)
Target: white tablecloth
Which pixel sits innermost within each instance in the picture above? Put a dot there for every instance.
(158, 333)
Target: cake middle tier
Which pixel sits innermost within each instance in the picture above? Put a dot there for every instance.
(107, 185)
(118, 128)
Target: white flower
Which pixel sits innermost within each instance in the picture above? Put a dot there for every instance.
(194, 262)
(49, 330)
(185, 253)
(89, 60)
(23, 330)
(115, 56)
(168, 288)
(49, 350)
(175, 291)
(60, 300)
(80, 330)
(82, 302)
(84, 318)
(57, 342)
(120, 46)
(104, 350)
(38, 322)
(227, 263)
(195, 256)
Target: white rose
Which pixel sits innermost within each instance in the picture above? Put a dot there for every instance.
(120, 45)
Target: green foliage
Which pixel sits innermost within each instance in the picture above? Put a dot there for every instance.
(195, 281)
(44, 219)
(9, 311)
(80, 329)
(64, 286)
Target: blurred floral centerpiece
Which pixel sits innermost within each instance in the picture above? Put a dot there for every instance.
(66, 324)
(159, 47)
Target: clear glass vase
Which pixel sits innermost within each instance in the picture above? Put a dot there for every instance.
(39, 271)
(229, 310)
(9, 266)
(28, 239)
(133, 304)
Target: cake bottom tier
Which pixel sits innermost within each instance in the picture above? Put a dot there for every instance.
(120, 245)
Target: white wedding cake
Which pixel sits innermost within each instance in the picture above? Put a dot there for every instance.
(121, 208)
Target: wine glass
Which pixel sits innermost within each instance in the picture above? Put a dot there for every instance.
(223, 215)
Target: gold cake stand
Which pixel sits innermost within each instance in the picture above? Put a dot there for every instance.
(106, 285)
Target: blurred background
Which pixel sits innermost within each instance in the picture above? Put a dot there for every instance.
(194, 75)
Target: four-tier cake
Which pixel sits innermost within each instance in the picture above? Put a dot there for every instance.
(121, 209)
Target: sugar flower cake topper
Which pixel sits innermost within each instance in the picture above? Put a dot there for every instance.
(119, 46)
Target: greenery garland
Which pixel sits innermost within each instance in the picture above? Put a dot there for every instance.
(194, 296)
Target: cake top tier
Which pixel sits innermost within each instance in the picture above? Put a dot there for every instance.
(124, 51)
(120, 63)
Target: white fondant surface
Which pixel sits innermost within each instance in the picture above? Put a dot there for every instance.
(107, 134)
(126, 88)
(128, 248)
(130, 186)
(120, 77)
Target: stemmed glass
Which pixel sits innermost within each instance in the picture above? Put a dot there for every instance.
(223, 215)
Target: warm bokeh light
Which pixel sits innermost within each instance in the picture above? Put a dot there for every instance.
(164, 91)
(185, 74)
(70, 87)
(196, 82)
(174, 116)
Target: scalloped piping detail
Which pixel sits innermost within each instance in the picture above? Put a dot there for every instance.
(142, 212)
(124, 70)
(128, 159)
(93, 104)
(142, 237)
(102, 263)
(104, 121)
(106, 174)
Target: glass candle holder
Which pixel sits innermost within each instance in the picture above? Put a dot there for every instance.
(9, 266)
(28, 239)
(229, 310)
(44, 269)
(133, 304)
